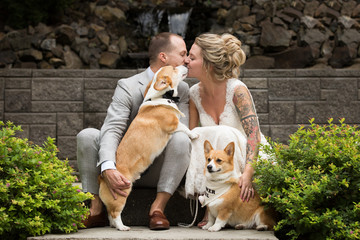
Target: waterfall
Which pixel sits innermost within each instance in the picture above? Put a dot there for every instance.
(149, 22)
(178, 22)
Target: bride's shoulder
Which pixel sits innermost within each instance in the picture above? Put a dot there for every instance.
(194, 88)
(234, 84)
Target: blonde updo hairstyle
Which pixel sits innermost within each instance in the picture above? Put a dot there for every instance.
(221, 54)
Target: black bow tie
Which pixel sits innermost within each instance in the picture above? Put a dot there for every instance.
(169, 95)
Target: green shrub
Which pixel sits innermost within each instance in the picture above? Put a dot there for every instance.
(20, 14)
(36, 191)
(314, 182)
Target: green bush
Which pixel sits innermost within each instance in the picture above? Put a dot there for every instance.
(36, 191)
(20, 14)
(314, 182)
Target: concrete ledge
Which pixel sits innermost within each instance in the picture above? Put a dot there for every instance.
(174, 233)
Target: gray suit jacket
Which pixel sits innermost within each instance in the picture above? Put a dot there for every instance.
(125, 104)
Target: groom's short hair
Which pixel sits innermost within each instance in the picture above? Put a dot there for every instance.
(160, 43)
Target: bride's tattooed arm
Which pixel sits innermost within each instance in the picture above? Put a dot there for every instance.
(249, 121)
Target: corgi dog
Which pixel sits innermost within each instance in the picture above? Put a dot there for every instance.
(146, 137)
(222, 195)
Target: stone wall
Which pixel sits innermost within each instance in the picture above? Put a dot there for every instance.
(109, 34)
(59, 103)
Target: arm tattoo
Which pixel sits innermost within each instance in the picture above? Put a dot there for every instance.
(253, 115)
(251, 128)
(249, 121)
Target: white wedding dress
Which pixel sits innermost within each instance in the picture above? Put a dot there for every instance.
(219, 135)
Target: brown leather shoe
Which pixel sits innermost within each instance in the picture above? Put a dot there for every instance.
(100, 220)
(158, 221)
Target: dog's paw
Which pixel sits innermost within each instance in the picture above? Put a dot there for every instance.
(262, 228)
(193, 136)
(240, 227)
(214, 228)
(201, 199)
(207, 226)
(123, 228)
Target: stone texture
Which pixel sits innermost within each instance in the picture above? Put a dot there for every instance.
(260, 98)
(109, 59)
(94, 120)
(40, 133)
(100, 83)
(57, 89)
(18, 41)
(259, 62)
(97, 100)
(65, 35)
(7, 57)
(296, 57)
(267, 73)
(31, 118)
(17, 100)
(67, 147)
(69, 124)
(29, 55)
(281, 133)
(174, 233)
(72, 60)
(124, 73)
(18, 83)
(346, 89)
(2, 88)
(103, 37)
(48, 44)
(281, 112)
(255, 83)
(52, 73)
(265, 129)
(294, 89)
(274, 36)
(1, 110)
(56, 106)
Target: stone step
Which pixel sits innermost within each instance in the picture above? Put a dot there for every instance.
(174, 233)
(135, 215)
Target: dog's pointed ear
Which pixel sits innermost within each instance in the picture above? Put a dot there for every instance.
(162, 82)
(207, 147)
(230, 149)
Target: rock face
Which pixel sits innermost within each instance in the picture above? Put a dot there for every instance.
(110, 34)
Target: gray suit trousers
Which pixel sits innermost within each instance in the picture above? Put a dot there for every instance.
(165, 173)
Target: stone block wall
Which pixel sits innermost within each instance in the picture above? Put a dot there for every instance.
(59, 103)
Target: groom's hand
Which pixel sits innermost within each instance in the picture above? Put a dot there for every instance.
(116, 182)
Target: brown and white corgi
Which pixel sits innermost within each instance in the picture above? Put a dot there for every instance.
(146, 137)
(222, 196)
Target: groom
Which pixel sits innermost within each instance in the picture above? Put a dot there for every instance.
(96, 150)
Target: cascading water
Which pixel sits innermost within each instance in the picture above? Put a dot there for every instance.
(149, 22)
(178, 22)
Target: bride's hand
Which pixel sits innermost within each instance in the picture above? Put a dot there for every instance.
(247, 190)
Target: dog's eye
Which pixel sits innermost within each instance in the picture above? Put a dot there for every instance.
(218, 160)
(209, 159)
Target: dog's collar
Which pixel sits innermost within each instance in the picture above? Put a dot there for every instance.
(169, 95)
(162, 101)
(226, 178)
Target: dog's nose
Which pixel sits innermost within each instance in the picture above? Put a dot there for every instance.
(209, 168)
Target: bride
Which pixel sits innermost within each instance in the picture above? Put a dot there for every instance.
(220, 98)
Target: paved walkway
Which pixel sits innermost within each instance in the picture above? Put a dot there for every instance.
(174, 233)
